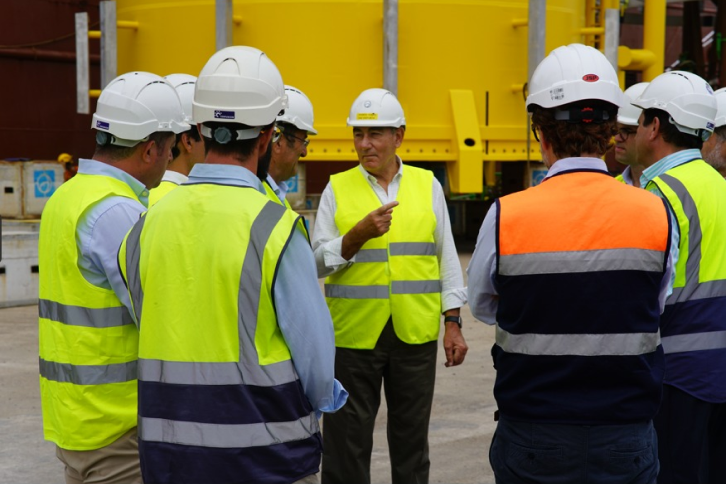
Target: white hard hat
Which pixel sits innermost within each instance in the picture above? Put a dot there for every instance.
(686, 97)
(629, 114)
(184, 85)
(376, 108)
(239, 84)
(721, 112)
(573, 73)
(135, 105)
(299, 110)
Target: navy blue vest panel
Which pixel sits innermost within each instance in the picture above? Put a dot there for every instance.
(584, 302)
(572, 389)
(274, 464)
(583, 390)
(168, 463)
(223, 404)
(699, 373)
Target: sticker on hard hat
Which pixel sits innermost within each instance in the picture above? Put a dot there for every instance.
(366, 116)
(557, 94)
(102, 125)
(710, 126)
(590, 78)
(223, 114)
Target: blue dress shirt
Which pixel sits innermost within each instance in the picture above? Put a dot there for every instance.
(483, 295)
(302, 314)
(103, 227)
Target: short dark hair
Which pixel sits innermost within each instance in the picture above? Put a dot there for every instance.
(574, 139)
(238, 149)
(118, 153)
(669, 131)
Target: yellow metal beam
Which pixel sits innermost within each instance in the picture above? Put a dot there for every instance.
(635, 59)
(465, 175)
(127, 24)
(94, 34)
(654, 24)
(94, 93)
(520, 22)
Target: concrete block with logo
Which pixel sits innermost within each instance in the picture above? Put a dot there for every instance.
(11, 189)
(40, 180)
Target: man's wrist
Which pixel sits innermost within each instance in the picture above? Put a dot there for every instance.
(453, 319)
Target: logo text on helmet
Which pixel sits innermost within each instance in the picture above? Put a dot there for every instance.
(366, 116)
(102, 125)
(557, 94)
(367, 104)
(590, 78)
(223, 114)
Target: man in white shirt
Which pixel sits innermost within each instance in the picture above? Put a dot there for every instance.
(388, 283)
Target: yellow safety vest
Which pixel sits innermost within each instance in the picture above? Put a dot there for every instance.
(301, 224)
(693, 326)
(207, 317)
(396, 274)
(160, 192)
(88, 342)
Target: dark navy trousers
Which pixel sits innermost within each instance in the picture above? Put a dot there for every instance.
(524, 452)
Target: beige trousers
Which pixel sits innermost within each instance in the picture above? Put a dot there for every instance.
(117, 463)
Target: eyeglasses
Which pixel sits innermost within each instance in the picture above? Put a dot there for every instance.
(625, 132)
(304, 141)
(534, 132)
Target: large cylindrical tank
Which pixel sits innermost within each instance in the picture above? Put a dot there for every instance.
(332, 50)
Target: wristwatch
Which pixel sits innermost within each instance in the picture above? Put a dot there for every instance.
(453, 319)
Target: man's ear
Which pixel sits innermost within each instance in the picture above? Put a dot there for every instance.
(653, 129)
(147, 151)
(399, 134)
(186, 142)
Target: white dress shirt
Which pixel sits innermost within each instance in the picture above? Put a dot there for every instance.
(328, 242)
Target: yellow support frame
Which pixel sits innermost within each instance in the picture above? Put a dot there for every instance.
(466, 175)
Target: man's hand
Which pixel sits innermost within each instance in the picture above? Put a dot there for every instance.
(378, 222)
(454, 345)
(373, 225)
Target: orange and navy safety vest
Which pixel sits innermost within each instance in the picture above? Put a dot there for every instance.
(580, 261)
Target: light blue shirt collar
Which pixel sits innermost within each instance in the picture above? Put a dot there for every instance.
(671, 161)
(627, 175)
(93, 167)
(280, 190)
(576, 163)
(224, 175)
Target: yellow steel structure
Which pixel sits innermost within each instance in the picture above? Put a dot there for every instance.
(462, 66)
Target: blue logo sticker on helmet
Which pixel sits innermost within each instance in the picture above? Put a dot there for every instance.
(102, 125)
(710, 126)
(223, 114)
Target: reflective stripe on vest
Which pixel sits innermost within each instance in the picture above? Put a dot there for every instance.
(87, 340)
(88, 374)
(227, 436)
(80, 316)
(581, 261)
(401, 266)
(622, 344)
